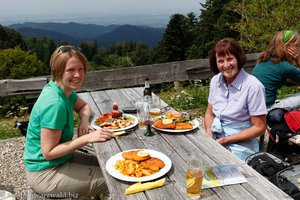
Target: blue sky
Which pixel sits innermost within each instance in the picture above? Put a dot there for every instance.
(55, 10)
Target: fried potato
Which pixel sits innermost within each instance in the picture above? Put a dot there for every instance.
(132, 168)
(143, 165)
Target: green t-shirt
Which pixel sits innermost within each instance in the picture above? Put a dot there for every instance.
(274, 76)
(52, 110)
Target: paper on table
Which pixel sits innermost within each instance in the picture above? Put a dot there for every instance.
(139, 187)
(295, 139)
(222, 175)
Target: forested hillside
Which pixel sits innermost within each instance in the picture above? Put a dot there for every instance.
(185, 37)
(252, 23)
(72, 29)
(105, 36)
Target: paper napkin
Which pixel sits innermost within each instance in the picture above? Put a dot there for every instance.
(115, 134)
(140, 187)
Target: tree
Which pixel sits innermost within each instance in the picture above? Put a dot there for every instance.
(261, 19)
(141, 54)
(175, 40)
(214, 24)
(89, 49)
(18, 64)
(43, 48)
(9, 38)
(123, 54)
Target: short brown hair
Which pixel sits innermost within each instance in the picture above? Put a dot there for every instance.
(224, 47)
(60, 57)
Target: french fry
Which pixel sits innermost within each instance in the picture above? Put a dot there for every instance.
(132, 168)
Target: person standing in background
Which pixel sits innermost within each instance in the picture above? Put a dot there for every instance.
(279, 66)
(236, 112)
(51, 163)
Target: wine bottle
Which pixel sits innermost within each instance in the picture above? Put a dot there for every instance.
(147, 91)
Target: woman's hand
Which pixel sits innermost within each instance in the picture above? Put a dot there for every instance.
(293, 51)
(84, 113)
(223, 141)
(100, 135)
(83, 127)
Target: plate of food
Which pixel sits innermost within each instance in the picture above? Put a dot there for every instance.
(115, 123)
(138, 165)
(175, 123)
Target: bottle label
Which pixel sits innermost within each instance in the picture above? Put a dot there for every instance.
(147, 98)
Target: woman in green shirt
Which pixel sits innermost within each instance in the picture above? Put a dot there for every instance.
(278, 66)
(52, 165)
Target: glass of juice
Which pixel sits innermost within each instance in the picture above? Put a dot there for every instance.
(194, 178)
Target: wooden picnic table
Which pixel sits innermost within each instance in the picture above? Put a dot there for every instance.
(176, 146)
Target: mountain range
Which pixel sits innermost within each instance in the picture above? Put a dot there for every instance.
(104, 35)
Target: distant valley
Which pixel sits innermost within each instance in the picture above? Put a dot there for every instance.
(104, 35)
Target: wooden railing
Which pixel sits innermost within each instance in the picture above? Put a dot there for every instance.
(125, 77)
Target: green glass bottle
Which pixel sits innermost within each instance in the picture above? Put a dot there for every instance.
(147, 91)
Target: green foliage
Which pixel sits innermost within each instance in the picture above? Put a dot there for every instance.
(176, 39)
(7, 129)
(9, 38)
(18, 64)
(10, 106)
(89, 49)
(185, 98)
(261, 19)
(284, 91)
(124, 54)
(10, 109)
(43, 48)
(214, 24)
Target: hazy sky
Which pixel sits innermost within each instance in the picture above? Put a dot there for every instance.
(11, 10)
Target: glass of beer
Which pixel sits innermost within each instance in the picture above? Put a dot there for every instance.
(142, 108)
(155, 107)
(194, 178)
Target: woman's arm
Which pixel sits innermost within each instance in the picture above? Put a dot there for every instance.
(257, 129)
(208, 119)
(84, 112)
(51, 149)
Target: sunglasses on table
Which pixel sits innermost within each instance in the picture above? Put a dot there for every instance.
(165, 109)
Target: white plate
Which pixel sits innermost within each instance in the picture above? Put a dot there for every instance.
(135, 122)
(115, 173)
(195, 123)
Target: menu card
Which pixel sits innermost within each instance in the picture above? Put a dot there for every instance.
(221, 175)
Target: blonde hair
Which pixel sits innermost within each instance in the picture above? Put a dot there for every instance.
(277, 51)
(60, 57)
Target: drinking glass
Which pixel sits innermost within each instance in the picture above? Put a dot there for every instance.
(142, 113)
(155, 107)
(194, 178)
